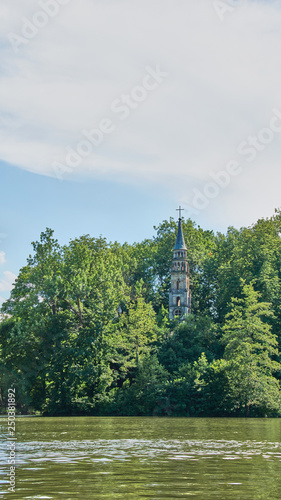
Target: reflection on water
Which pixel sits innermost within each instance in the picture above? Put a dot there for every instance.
(112, 458)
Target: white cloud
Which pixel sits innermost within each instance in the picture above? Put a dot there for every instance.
(3, 316)
(2, 257)
(6, 284)
(224, 81)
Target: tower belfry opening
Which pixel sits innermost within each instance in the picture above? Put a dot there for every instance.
(179, 296)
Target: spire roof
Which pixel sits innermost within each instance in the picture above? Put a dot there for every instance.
(180, 243)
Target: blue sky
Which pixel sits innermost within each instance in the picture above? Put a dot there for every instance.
(30, 203)
(112, 113)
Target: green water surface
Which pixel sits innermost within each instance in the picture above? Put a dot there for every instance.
(144, 458)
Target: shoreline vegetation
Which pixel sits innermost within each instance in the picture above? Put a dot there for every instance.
(86, 332)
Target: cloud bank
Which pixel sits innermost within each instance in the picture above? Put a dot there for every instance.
(6, 284)
(2, 257)
(8, 279)
(82, 68)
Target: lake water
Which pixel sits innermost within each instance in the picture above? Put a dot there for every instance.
(144, 458)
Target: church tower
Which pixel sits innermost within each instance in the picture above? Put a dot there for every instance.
(179, 296)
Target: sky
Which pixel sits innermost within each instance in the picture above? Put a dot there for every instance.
(115, 112)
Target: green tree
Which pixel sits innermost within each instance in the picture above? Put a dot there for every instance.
(147, 394)
(249, 253)
(250, 349)
(189, 339)
(137, 333)
(64, 310)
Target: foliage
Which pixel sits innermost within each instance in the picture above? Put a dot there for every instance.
(86, 329)
(250, 348)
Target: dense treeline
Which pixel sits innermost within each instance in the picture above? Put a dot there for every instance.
(86, 329)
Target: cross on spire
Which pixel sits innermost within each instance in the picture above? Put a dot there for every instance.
(180, 211)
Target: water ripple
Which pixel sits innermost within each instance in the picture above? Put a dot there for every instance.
(124, 449)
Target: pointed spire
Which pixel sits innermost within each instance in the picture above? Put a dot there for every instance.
(180, 243)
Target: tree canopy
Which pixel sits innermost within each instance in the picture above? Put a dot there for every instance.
(86, 331)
